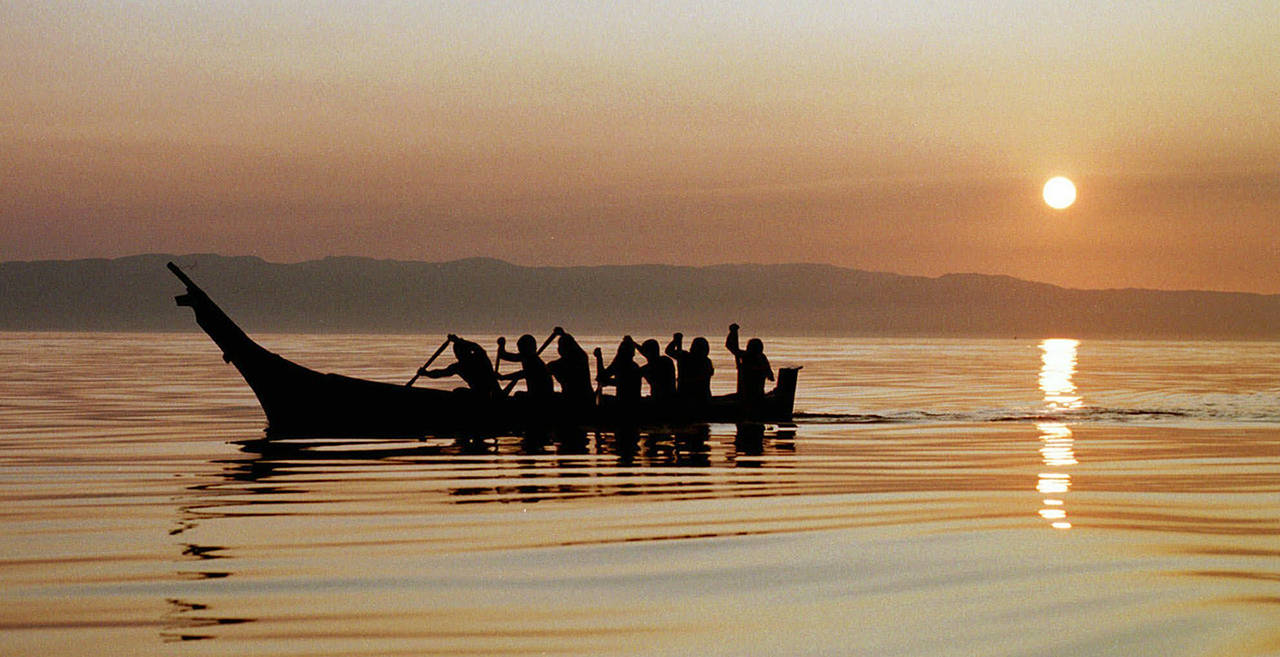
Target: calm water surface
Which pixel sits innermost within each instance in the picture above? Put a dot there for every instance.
(935, 497)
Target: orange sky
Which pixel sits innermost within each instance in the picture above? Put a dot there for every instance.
(907, 137)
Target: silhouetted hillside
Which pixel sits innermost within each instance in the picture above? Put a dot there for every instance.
(484, 295)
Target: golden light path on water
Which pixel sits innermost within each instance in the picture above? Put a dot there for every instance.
(911, 511)
(1057, 450)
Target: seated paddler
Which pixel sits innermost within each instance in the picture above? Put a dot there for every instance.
(623, 373)
(753, 365)
(658, 371)
(572, 371)
(536, 376)
(694, 369)
(471, 363)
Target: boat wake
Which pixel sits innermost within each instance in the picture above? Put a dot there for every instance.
(1087, 415)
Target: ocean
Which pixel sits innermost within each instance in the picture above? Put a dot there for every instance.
(933, 497)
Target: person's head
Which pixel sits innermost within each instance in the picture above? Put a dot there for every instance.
(755, 346)
(650, 349)
(627, 349)
(527, 345)
(567, 345)
(699, 347)
(461, 349)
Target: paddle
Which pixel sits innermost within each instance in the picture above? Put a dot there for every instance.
(502, 341)
(429, 361)
(599, 374)
(600, 367)
(554, 332)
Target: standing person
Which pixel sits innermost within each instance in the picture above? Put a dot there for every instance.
(693, 386)
(572, 371)
(623, 373)
(471, 363)
(658, 371)
(753, 365)
(534, 372)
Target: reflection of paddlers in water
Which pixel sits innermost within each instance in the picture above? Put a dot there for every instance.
(695, 369)
(472, 365)
(753, 365)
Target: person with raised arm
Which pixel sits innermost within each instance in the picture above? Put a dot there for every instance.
(537, 379)
(753, 365)
(658, 371)
(693, 383)
(623, 373)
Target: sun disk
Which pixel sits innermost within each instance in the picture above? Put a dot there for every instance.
(1059, 193)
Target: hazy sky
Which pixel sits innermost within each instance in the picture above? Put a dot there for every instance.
(903, 136)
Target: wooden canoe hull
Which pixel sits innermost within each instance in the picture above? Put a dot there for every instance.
(301, 402)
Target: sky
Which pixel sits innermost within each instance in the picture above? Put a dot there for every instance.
(891, 136)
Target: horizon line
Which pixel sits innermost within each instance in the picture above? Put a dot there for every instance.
(502, 261)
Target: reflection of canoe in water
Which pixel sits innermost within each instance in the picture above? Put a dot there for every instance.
(303, 402)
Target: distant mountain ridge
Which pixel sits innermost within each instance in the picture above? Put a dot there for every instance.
(354, 294)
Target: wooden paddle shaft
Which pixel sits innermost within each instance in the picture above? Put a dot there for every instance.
(428, 363)
(511, 386)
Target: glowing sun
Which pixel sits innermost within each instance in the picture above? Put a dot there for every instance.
(1059, 193)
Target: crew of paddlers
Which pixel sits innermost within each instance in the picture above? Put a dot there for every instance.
(674, 375)
(300, 402)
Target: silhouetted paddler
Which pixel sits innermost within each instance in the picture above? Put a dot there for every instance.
(572, 371)
(693, 384)
(534, 372)
(658, 371)
(623, 373)
(753, 365)
(472, 365)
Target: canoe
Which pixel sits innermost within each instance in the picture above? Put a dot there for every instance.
(300, 402)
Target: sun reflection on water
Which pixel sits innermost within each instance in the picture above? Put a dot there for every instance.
(1058, 366)
(1057, 449)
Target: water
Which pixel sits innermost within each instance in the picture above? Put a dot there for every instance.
(936, 497)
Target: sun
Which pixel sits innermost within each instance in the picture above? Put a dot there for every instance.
(1059, 193)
